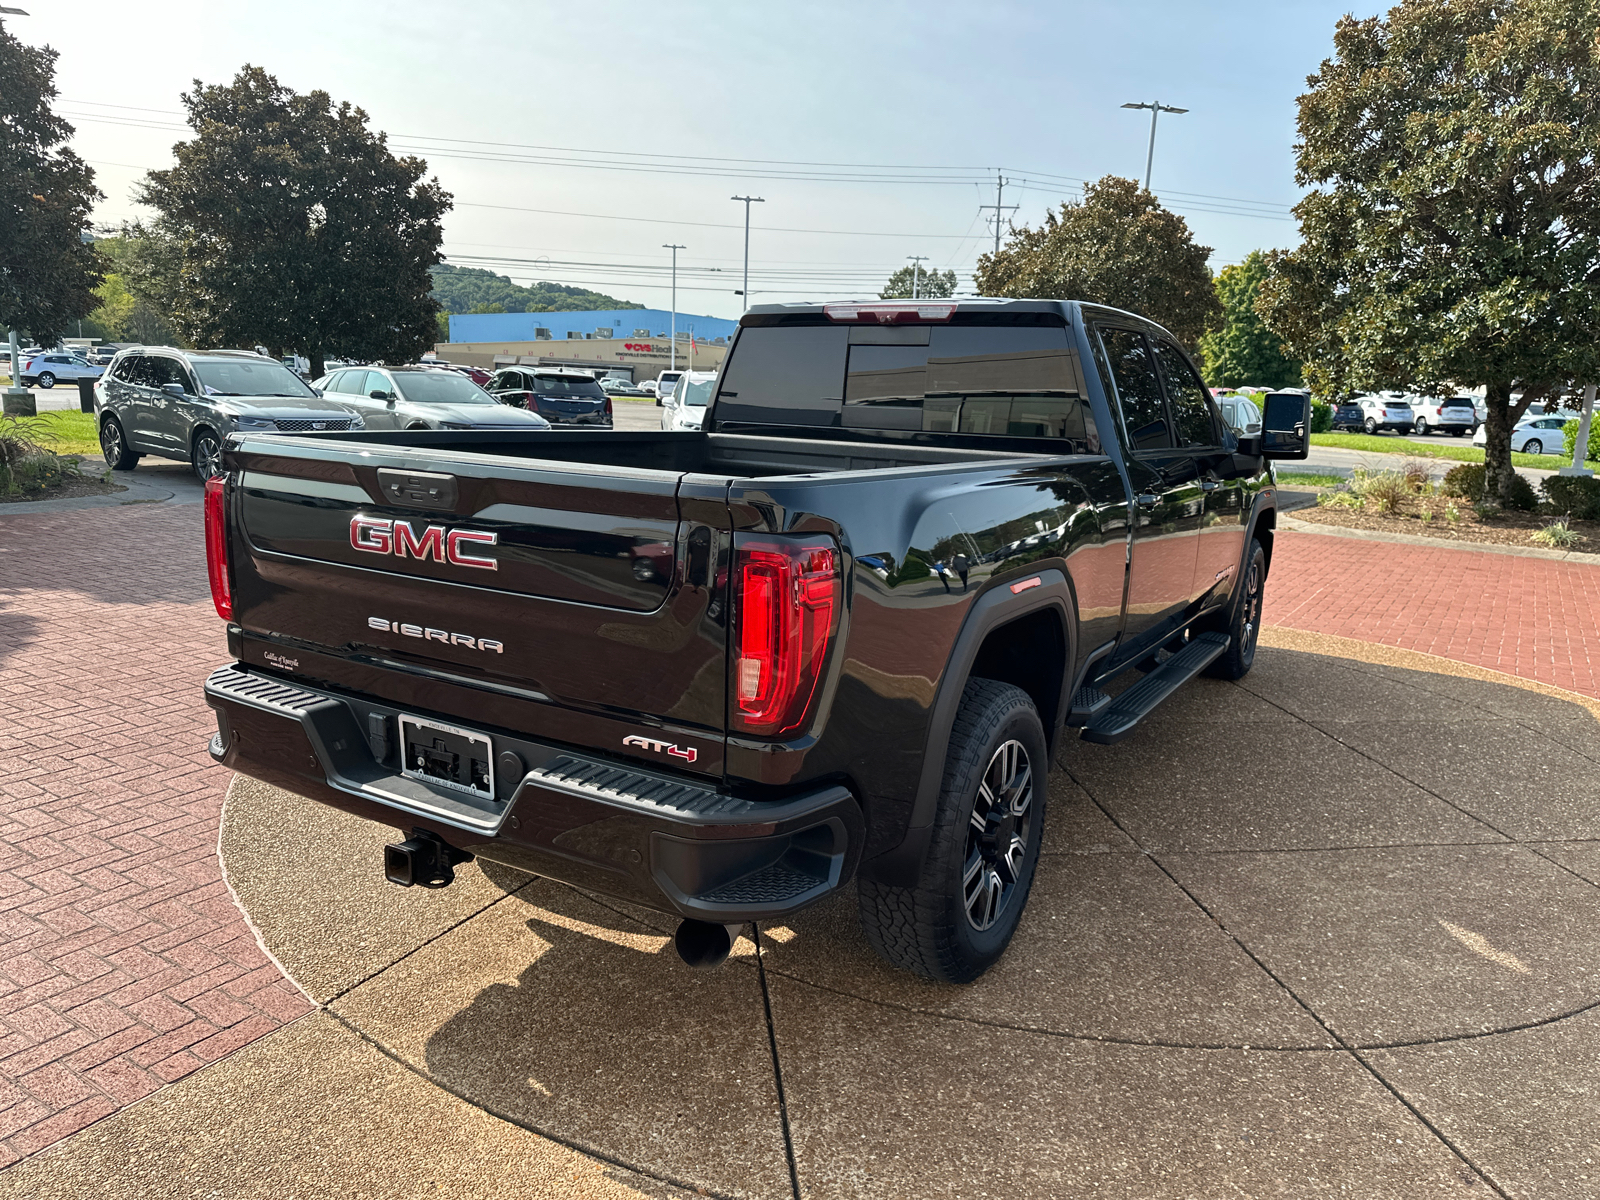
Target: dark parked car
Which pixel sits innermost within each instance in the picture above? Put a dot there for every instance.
(560, 397)
(421, 398)
(839, 633)
(183, 404)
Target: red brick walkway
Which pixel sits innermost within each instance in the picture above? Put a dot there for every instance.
(1533, 617)
(124, 964)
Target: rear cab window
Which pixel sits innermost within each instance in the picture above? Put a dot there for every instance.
(981, 375)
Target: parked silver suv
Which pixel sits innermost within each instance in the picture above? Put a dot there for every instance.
(422, 398)
(182, 403)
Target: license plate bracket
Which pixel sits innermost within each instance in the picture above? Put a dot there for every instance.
(447, 756)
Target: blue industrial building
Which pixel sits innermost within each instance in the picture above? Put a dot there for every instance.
(559, 326)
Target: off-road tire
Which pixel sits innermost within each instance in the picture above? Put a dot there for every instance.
(926, 928)
(1244, 619)
(114, 446)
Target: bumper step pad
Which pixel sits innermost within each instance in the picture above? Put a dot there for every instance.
(1118, 719)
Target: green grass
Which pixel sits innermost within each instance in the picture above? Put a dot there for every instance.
(1308, 479)
(64, 432)
(1377, 443)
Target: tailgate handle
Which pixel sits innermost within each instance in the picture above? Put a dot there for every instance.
(418, 489)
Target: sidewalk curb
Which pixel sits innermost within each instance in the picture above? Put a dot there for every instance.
(1286, 522)
(137, 493)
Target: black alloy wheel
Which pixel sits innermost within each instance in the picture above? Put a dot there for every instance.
(1533, 446)
(114, 445)
(47, 379)
(1244, 622)
(1002, 830)
(207, 455)
(959, 916)
(1370, 425)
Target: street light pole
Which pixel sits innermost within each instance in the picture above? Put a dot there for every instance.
(916, 261)
(18, 400)
(1156, 110)
(672, 353)
(748, 201)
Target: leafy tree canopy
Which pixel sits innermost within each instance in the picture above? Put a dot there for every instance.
(472, 289)
(46, 191)
(293, 226)
(125, 311)
(1244, 350)
(1453, 235)
(929, 283)
(1117, 246)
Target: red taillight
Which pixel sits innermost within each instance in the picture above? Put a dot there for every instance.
(889, 312)
(217, 547)
(788, 594)
(608, 406)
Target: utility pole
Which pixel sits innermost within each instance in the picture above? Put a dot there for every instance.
(748, 201)
(1156, 110)
(672, 354)
(916, 261)
(999, 194)
(1580, 448)
(18, 399)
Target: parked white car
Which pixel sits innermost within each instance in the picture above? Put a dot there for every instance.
(1454, 414)
(57, 366)
(665, 382)
(1536, 434)
(1385, 412)
(685, 407)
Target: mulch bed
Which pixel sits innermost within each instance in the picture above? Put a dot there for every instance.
(70, 488)
(1503, 529)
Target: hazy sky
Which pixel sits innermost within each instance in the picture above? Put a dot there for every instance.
(915, 104)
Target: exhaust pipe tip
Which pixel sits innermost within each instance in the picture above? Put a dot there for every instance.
(703, 945)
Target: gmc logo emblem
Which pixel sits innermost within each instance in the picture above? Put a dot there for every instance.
(379, 535)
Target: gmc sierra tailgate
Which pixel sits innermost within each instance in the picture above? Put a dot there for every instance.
(570, 601)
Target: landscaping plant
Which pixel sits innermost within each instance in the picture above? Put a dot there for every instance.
(1577, 496)
(1557, 534)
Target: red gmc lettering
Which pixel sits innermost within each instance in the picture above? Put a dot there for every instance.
(370, 533)
(473, 537)
(379, 535)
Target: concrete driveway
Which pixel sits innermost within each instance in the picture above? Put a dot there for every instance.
(1331, 931)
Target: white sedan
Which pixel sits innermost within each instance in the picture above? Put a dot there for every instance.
(1532, 435)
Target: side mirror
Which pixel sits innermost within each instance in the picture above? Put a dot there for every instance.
(174, 389)
(378, 394)
(318, 391)
(1286, 425)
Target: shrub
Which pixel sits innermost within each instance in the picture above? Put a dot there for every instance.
(1569, 439)
(1520, 495)
(1465, 481)
(1321, 417)
(1388, 490)
(1340, 499)
(1416, 473)
(1557, 534)
(1577, 496)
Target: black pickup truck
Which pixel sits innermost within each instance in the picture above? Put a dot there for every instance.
(836, 635)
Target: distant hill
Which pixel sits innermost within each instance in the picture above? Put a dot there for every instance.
(464, 289)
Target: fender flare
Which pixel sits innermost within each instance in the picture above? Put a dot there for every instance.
(996, 607)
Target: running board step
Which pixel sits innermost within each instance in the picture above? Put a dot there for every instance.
(1118, 719)
(1086, 703)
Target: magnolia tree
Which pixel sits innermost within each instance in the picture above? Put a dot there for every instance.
(1244, 350)
(1453, 229)
(288, 222)
(1117, 246)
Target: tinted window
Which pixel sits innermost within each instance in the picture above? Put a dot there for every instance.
(1187, 396)
(567, 387)
(124, 369)
(1138, 390)
(438, 387)
(507, 381)
(160, 370)
(248, 377)
(788, 375)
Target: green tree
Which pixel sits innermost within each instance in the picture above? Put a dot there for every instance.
(929, 283)
(295, 227)
(459, 289)
(125, 309)
(1244, 350)
(1117, 246)
(1453, 235)
(47, 271)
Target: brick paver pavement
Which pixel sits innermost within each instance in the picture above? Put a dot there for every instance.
(1537, 618)
(124, 963)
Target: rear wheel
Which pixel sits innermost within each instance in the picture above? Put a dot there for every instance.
(1244, 621)
(114, 445)
(206, 455)
(1533, 446)
(959, 917)
(1370, 426)
(47, 379)
(1421, 428)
